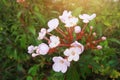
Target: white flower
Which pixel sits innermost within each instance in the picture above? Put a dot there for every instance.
(64, 17)
(42, 49)
(53, 24)
(86, 18)
(73, 53)
(77, 44)
(71, 22)
(77, 29)
(42, 34)
(31, 49)
(60, 64)
(54, 41)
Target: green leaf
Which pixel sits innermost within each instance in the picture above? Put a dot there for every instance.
(72, 73)
(77, 11)
(40, 17)
(29, 78)
(32, 30)
(23, 41)
(33, 70)
(114, 40)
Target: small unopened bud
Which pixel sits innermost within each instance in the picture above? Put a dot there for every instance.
(20, 1)
(91, 27)
(103, 38)
(94, 34)
(93, 42)
(88, 44)
(99, 47)
(34, 55)
(77, 29)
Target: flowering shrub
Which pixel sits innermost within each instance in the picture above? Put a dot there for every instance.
(72, 38)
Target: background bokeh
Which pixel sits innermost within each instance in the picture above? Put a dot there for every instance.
(19, 27)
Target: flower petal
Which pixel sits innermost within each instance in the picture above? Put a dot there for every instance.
(56, 67)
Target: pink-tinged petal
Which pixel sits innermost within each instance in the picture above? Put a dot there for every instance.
(49, 30)
(34, 55)
(42, 34)
(70, 58)
(85, 21)
(53, 24)
(66, 52)
(76, 58)
(67, 62)
(92, 16)
(42, 49)
(64, 68)
(84, 16)
(57, 59)
(56, 67)
(77, 29)
(54, 41)
(99, 47)
(31, 49)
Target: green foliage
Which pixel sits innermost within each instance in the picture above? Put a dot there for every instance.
(19, 27)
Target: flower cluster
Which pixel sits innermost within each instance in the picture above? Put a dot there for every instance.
(69, 38)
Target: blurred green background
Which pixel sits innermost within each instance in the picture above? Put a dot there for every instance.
(19, 27)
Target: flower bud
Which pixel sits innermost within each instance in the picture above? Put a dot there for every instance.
(91, 27)
(77, 29)
(94, 33)
(99, 47)
(34, 55)
(103, 38)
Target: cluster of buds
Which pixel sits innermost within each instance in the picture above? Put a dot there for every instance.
(70, 37)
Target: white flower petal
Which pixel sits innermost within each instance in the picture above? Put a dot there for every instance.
(76, 58)
(57, 59)
(56, 67)
(66, 52)
(64, 68)
(92, 16)
(85, 21)
(30, 49)
(70, 58)
(34, 55)
(54, 41)
(42, 34)
(86, 18)
(60, 64)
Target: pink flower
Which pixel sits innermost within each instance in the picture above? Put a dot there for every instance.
(42, 33)
(73, 53)
(54, 41)
(42, 49)
(60, 64)
(31, 49)
(70, 22)
(77, 44)
(53, 24)
(65, 16)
